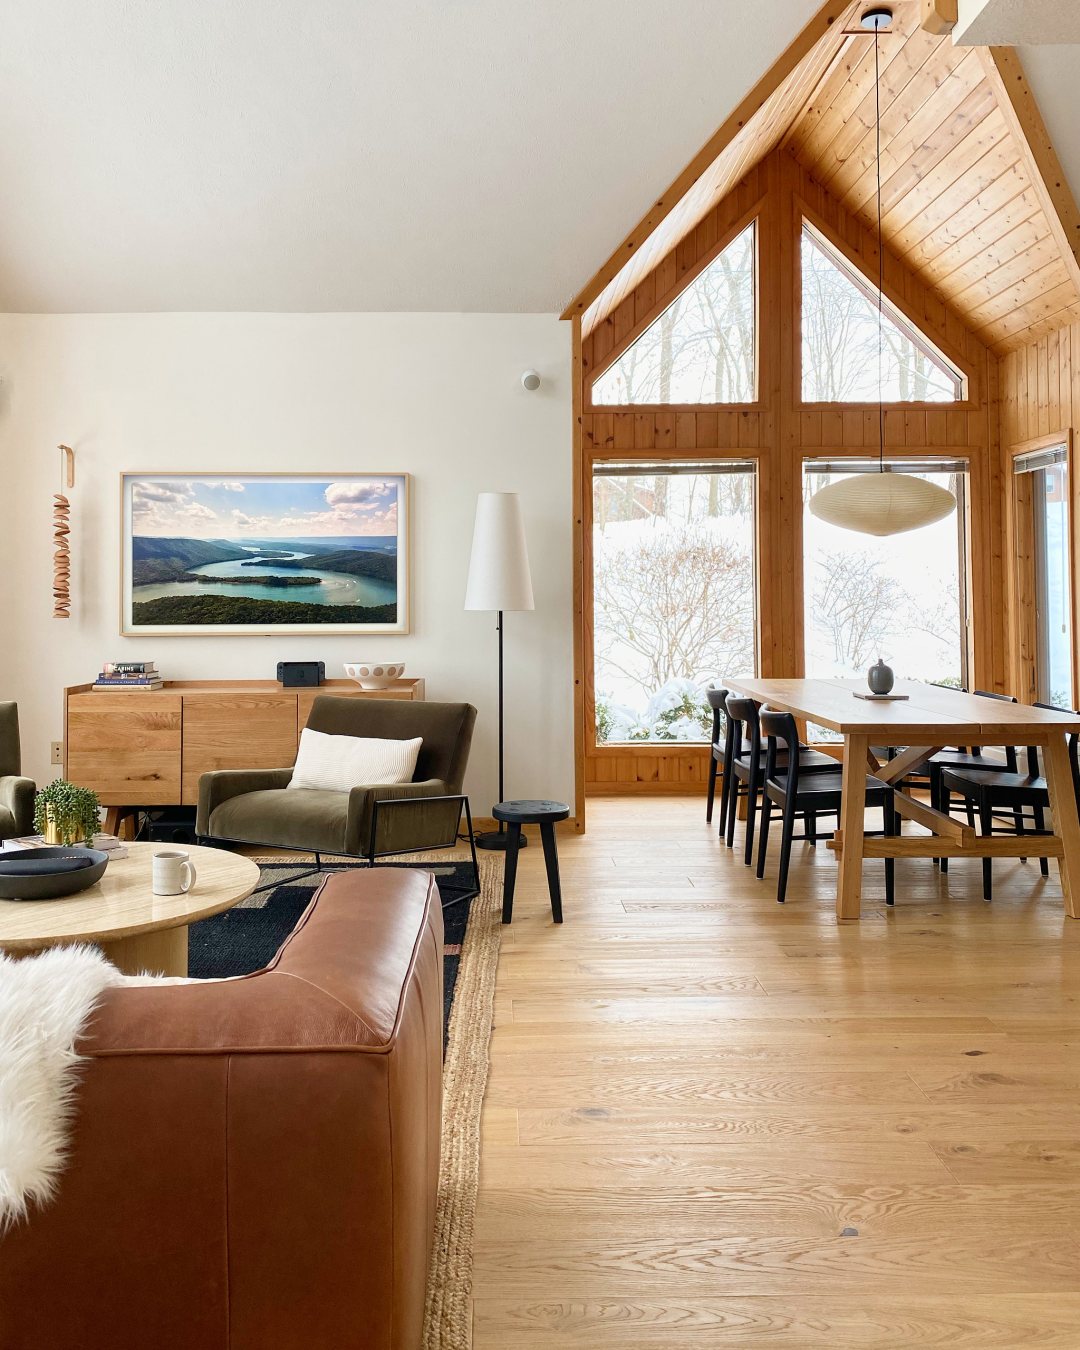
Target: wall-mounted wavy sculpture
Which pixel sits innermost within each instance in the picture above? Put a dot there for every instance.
(61, 530)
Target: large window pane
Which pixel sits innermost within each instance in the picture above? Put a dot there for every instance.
(840, 344)
(673, 595)
(902, 597)
(701, 349)
(1053, 593)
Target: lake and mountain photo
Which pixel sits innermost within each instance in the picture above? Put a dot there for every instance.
(248, 554)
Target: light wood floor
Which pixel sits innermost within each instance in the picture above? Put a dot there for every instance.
(716, 1121)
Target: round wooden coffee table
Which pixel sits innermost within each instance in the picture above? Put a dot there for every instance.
(137, 930)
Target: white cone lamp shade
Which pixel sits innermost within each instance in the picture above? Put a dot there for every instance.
(882, 503)
(499, 576)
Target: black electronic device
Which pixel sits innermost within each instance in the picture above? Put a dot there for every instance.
(301, 674)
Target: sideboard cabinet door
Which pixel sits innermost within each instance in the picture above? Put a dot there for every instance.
(126, 746)
(231, 731)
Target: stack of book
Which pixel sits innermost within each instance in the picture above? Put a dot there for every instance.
(129, 675)
(110, 844)
(106, 843)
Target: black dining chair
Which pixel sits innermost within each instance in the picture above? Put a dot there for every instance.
(969, 757)
(795, 793)
(928, 773)
(719, 749)
(746, 770)
(1000, 799)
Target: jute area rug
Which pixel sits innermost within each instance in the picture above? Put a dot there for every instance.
(448, 1321)
(448, 1315)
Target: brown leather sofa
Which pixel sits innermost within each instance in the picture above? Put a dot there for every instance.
(255, 1161)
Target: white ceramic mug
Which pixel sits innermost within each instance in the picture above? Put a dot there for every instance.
(173, 873)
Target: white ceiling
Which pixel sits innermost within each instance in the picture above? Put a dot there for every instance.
(1041, 31)
(1012, 23)
(1052, 73)
(481, 155)
(350, 154)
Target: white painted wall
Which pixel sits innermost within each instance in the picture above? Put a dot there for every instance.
(436, 395)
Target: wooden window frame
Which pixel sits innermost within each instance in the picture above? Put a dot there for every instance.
(696, 753)
(778, 433)
(963, 524)
(850, 264)
(752, 216)
(1020, 533)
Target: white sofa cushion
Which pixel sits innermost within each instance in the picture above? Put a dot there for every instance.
(338, 763)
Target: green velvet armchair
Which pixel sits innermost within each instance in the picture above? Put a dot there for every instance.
(252, 806)
(16, 792)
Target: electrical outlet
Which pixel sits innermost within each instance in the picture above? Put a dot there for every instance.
(57, 752)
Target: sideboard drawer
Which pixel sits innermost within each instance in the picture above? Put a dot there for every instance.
(226, 731)
(125, 749)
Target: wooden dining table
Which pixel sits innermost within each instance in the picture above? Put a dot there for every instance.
(929, 719)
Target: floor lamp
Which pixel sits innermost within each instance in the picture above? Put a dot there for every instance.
(499, 579)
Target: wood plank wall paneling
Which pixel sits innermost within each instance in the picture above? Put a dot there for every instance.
(778, 431)
(972, 193)
(1039, 403)
(1040, 386)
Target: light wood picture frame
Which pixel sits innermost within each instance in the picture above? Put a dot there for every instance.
(264, 554)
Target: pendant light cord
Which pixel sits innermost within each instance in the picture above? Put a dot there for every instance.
(880, 254)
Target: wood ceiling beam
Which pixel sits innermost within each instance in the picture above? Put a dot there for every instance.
(1016, 100)
(939, 16)
(831, 13)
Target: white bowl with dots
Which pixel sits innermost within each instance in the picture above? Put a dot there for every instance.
(375, 674)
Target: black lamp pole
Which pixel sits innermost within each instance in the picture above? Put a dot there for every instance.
(496, 839)
(502, 790)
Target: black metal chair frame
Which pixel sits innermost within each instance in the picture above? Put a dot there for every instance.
(371, 854)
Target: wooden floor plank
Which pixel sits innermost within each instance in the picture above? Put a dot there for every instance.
(745, 1264)
(773, 1205)
(815, 1322)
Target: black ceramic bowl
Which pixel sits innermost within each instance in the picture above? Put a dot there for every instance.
(49, 873)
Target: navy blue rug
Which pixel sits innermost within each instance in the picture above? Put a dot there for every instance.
(245, 938)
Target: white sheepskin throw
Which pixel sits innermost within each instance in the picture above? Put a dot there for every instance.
(45, 1001)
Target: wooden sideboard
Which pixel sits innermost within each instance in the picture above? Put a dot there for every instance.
(148, 747)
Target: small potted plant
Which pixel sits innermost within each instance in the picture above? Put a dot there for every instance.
(66, 814)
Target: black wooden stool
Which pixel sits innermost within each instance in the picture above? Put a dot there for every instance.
(544, 814)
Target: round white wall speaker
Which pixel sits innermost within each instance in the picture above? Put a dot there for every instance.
(530, 380)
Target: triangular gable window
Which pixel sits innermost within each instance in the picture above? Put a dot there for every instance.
(840, 339)
(701, 348)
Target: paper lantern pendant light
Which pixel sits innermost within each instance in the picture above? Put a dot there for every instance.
(882, 503)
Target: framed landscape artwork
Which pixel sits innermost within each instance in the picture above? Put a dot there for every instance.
(264, 553)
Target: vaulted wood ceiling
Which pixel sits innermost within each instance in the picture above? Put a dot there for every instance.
(972, 196)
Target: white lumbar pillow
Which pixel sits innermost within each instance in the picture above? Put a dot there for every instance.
(338, 763)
